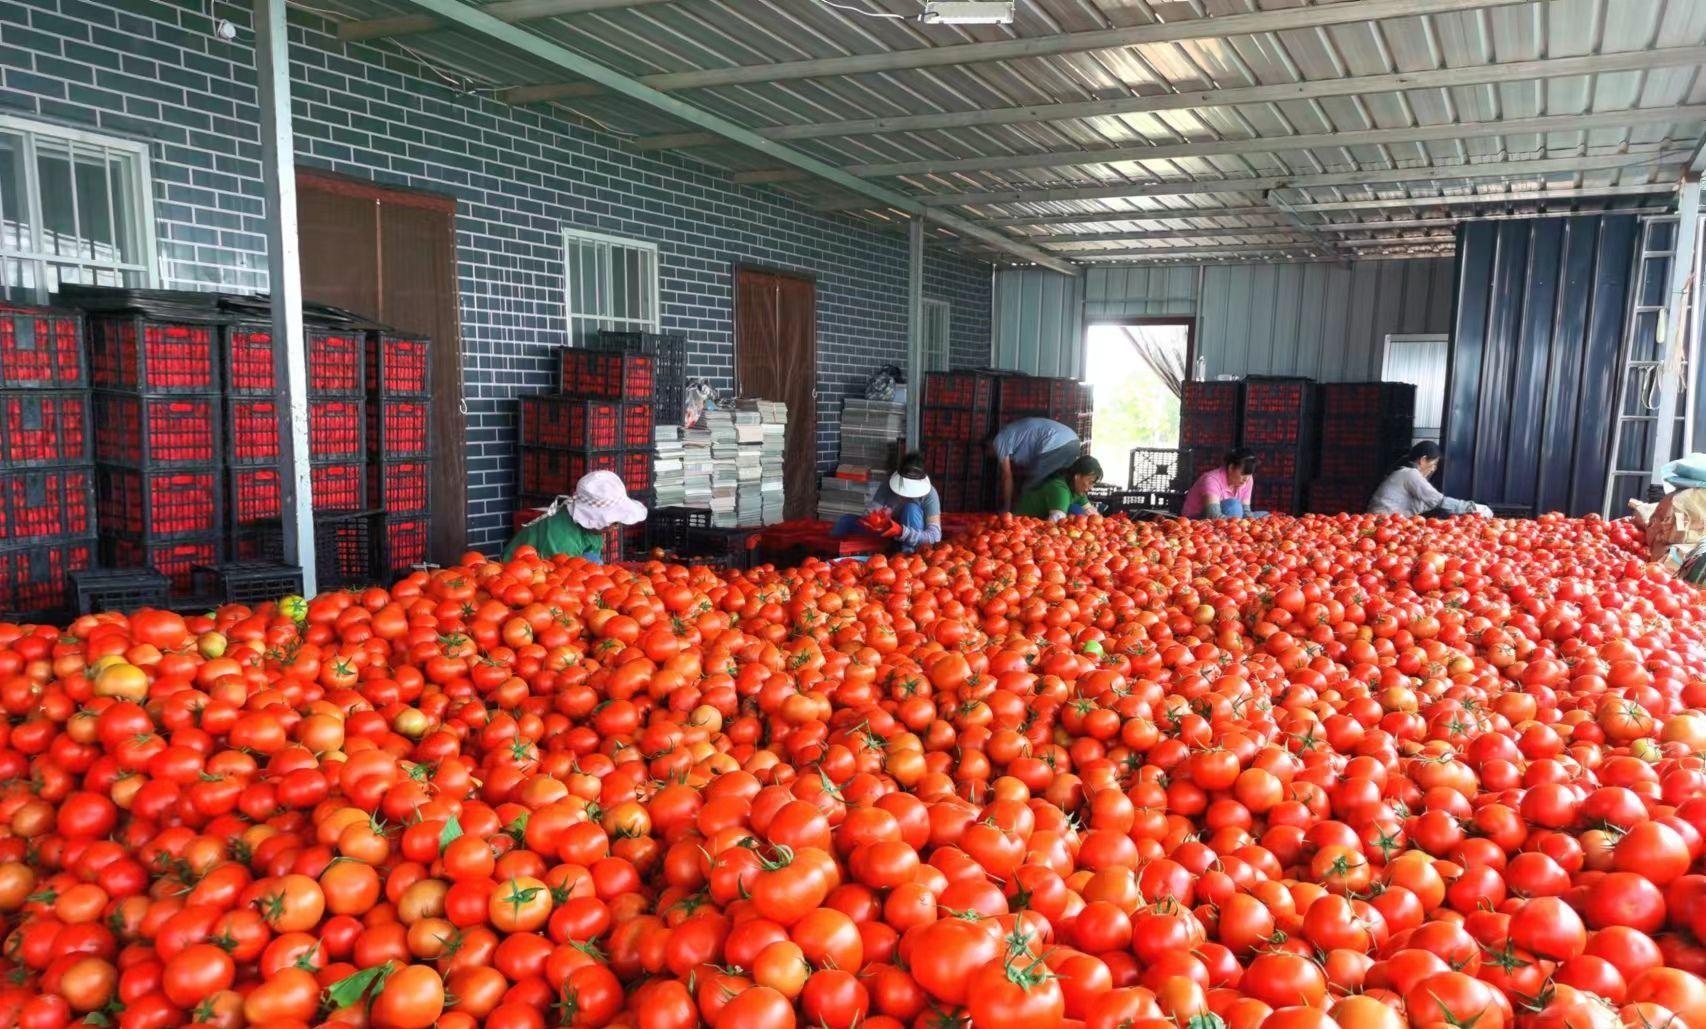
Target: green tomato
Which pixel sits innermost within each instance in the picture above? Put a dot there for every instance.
(293, 607)
(1093, 647)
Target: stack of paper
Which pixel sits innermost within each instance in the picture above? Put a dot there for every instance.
(697, 465)
(725, 448)
(669, 466)
(761, 427)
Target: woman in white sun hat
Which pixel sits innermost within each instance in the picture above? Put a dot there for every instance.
(906, 508)
(575, 525)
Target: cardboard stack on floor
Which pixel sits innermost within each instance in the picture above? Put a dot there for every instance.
(872, 434)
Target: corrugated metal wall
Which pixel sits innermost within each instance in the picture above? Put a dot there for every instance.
(1538, 335)
(1039, 322)
(1325, 321)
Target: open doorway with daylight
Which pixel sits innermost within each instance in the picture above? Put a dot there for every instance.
(1137, 369)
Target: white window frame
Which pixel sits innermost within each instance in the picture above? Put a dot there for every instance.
(651, 300)
(141, 215)
(939, 360)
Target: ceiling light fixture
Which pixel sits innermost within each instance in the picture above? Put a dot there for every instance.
(968, 12)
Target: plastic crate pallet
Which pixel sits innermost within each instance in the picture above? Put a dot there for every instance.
(129, 352)
(667, 528)
(175, 559)
(335, 427)
(254, 494)
(971, 390)
(1358, 400)
(119, 590)
(608, 374)
(958, 424)
(252, 432)
(41, 348)
(555, 472)
(567, 423)
(397, 428)
(669, 375)
(398, 366)
(158, 503)
(1339, 496)
(156, 431)
(399, 487)
(338, 485)
(335, 363)
(1278, 395)
(38, 577)
(250, 583)
(44, 428)
(635, 469)
(638, 421)
(251, 367)
(1155, 468)
(400, 543)
(47, 504)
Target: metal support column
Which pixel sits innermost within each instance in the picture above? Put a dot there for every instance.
(1677, 321)
(284, 272)
(915, 332)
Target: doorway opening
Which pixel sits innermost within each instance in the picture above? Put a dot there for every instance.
(1137, 370)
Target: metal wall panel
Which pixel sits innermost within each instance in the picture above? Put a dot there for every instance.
(1113, 292)
(1421, 361)
(1039, 322)
(1537, 333)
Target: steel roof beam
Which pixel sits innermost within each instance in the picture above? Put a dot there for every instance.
(1262, 144)
(1264, 184)
(1354, 85)
(1443, 246)
(481, 23)
(511, 11)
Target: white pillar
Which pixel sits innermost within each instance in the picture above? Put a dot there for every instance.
(284, 272)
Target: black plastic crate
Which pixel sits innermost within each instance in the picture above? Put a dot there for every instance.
(1261, 430)
(143, 355)
(335, 426)
(1351, 461)
(555, 472)
(1277, 496)
(565, 423)
(37, 577)
(41, 348)
(335, 360)
(400, 542)
(669, 375)
(667, 528)
(251, 583)
(638, 421)
(1280, 464)
(1277, 395)
(254, 494)
(338, 485)
(175, 559)
(954, 424)
(397, 428)
(251, 368)
(158, 503)
(635, 469)
(1367, 400)
(733, 547)
(1019, 396)
(43, 428)
(399, 487)
(252, 431)
(1156, 468)
(52, 503)
(608, 374)
(971, 390)
(109, 589)
(343, 549)
(398, 366)
(1210, 413)
(1339, 495)
(156, 431)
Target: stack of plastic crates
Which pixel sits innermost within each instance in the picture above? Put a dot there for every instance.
(956, 421)
(1210, 416)
(669, 375)
(1365, 429)
(158, 443)
(1279, 427)
(47, 505)
(601, 419)
(399, 451)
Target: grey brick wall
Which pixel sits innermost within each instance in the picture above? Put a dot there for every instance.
(152, 70)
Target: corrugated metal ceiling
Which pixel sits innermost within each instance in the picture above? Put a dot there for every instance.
(1217, 170)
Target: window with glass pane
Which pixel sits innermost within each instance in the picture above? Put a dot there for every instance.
(72, 210)
(612, 283)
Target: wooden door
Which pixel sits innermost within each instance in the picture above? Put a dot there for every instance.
(390, 255)
(776, 359)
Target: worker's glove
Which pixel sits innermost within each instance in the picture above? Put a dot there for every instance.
(877, 521)
(892, 529)
(1483, 510)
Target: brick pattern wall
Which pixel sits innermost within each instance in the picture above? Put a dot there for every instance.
(152, 70)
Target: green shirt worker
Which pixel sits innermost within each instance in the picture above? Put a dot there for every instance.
(574, 525)
(1066, 492)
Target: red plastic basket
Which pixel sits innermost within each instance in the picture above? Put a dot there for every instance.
(158, 503)
(402, 544)
(147, 431)
(37, 578)
(257, 495)
(1277, 396)
(338, 486)
(250, 368)
(334, 363)
(398, 366)
(608, 374)
(637, 424)
(134, 353)
(40, 348)
(399, 487)
(975, 390)
(251, 432)
(334, 430)
(54, 503)
(43, 428)
(175, 559)
(1023, 394)
(398, 428)
(555, 472)
(959, 424)
(570, 423)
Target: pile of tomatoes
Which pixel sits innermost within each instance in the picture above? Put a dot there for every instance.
(1287, 774)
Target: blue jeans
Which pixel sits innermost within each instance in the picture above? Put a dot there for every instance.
(909, 515)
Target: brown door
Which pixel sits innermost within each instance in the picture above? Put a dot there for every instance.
(776, 359)
(390, 255)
